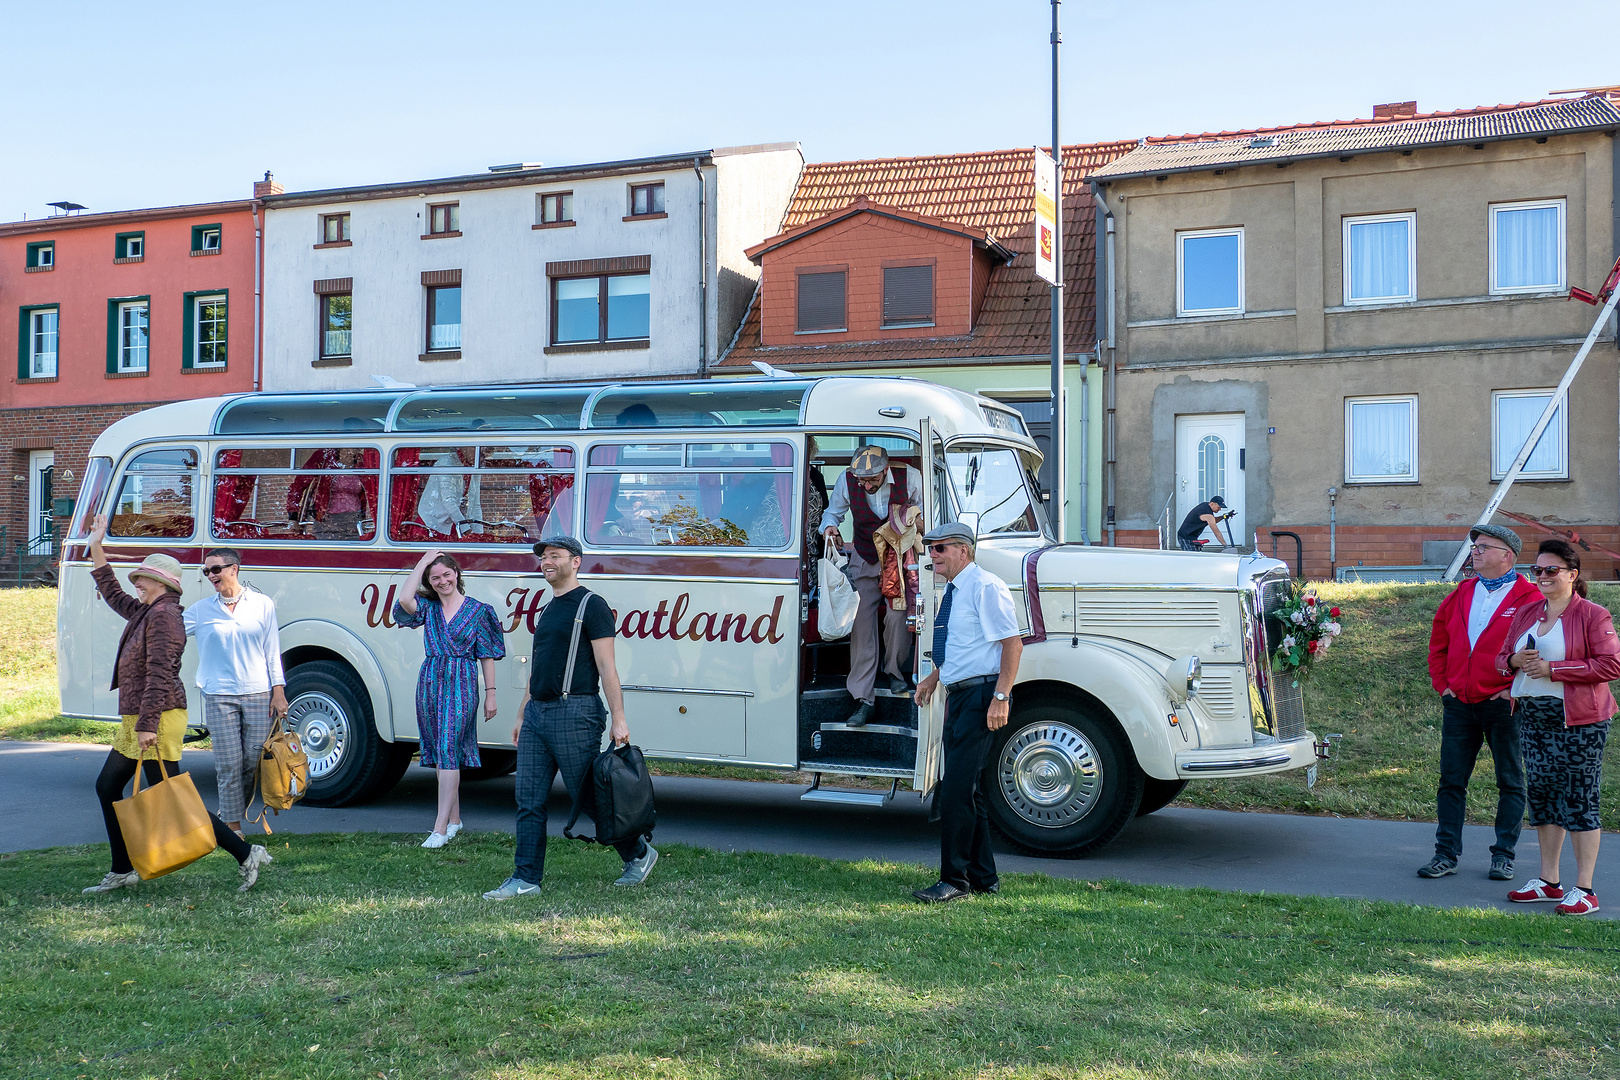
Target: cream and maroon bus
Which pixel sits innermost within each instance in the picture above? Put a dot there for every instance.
(697, 505)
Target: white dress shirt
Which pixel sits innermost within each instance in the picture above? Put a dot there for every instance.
(237, 652)
(838, 499)
(983, 615)
(1484, 605)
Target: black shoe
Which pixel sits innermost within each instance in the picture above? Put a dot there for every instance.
(900, 687)
(861, 715)
(986, 890)
(1439, 866)
(939, 893)
(1501, 868)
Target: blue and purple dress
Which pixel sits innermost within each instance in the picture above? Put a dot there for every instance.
(447, 689)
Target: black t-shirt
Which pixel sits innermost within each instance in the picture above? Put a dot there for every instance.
(1192, 525)
(551, 636)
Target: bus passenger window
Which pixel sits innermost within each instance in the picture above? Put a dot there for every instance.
(156, 496)
(712, 495)
(282, 493)
(480, 495)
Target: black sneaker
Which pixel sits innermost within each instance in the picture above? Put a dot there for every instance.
(1439, 866)
(1501, 868)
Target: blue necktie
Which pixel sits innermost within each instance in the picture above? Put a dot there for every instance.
(941, 625)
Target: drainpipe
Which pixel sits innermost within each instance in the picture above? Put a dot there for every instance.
(1333, 533)
(703, 273)
(258, 292)
(1085, 450)
(1110, 387)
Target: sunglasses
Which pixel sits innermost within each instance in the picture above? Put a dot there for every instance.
(939, 549)
(215, 571)
(1548, 571)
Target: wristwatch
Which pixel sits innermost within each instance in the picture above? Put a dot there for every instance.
(999, 696)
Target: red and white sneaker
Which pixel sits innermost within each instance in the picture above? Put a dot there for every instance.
(1536, 891)
(1577, 901)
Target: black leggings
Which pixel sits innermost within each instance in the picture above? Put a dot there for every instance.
(115, 776)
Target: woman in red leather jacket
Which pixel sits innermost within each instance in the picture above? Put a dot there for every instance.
(1562, 652)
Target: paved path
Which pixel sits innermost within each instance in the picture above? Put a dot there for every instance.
(1277, 853)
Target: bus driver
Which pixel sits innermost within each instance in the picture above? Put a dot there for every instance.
(885, 489)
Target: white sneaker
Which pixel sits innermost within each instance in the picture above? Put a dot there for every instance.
(115, 881)
(512, 887)
(436, 840)
(450, 833)
(257, 857)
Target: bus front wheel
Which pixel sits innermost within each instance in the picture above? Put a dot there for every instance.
(330, 711)
(1060, 781)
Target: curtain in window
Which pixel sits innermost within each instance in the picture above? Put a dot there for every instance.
(1381, 439)
(1379, 265)
(1527, 248)
(1515, 416)
(232, 494)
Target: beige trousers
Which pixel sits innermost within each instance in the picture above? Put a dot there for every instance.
(865, 638)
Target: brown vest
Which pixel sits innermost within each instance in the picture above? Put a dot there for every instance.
(866, 522)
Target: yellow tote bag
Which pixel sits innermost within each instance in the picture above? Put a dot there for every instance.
(166, 826)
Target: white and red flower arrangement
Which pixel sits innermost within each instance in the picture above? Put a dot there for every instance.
(1309, 628)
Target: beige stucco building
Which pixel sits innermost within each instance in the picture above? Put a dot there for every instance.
(1357, 323)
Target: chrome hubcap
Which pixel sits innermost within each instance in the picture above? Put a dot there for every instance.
(323, 728)
(1050, 775)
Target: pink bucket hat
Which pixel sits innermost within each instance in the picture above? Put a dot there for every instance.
(161, 568)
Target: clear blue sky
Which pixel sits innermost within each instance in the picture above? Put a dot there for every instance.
(144, 105)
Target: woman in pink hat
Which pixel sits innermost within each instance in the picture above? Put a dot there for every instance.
(151, 699)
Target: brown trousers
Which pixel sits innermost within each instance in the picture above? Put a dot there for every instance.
(865, 639)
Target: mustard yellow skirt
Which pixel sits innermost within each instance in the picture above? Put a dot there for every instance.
(171, 736)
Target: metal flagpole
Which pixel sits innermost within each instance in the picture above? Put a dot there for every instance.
(1060, 484)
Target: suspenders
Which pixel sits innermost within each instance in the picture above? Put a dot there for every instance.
(573, 645)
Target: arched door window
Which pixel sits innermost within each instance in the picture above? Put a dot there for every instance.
(1211, 467)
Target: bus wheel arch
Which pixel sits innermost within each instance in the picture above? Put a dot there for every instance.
(331, 711)
(1062, 779)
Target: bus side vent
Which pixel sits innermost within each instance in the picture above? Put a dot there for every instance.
(1183, 611)
(1218, 696)
(1290, 702)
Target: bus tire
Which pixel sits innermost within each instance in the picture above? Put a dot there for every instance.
(1158, 794)
(330, 710)
(1060, 781)
(496, 763)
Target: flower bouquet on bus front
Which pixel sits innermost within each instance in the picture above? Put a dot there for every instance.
(1309, 628)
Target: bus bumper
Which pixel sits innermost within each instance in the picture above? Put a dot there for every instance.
(1265, 756)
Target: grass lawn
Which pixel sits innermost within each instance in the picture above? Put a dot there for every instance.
(365, 956)
(1373, 688)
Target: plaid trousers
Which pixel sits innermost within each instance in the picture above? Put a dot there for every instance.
(238, 725)
(562, 736)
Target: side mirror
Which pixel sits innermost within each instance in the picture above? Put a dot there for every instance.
(970, 520)
(1184, 675)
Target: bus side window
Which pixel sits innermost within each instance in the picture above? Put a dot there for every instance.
(157, 496)
(282, 493)
(699, 495)
(480, 495)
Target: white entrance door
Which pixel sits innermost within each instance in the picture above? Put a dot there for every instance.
(1209, 453)
(40, 467)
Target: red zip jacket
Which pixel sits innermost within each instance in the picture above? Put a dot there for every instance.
(1472, 674)
(1592, 657)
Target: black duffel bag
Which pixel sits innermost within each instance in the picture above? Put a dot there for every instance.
(618, 796)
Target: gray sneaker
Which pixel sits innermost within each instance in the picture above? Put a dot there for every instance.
(1439, 866)
(257, 857)
(115, 881)
(1501, 868)
(636, 870)
(512, 887)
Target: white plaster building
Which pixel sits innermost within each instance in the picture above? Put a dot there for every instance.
(524, 273)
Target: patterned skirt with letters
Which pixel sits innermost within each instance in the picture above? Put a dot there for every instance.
(1562, 765)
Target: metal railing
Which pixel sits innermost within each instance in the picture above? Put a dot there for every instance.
(35, 556)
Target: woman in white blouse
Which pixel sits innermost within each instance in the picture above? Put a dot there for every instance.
(239, 674)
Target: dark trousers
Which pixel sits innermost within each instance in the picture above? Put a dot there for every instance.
(115, 776)
(558, 737)
(965, 857)
(1463, 728)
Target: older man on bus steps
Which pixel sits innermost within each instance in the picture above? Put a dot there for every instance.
(977, 646)
(881, 488)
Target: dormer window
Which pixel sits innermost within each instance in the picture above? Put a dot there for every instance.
(908, 295)
(821, 302)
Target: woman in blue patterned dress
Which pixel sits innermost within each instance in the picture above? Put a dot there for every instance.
(462, 635)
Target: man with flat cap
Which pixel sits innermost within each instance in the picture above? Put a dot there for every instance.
(882, 488)
(562, 719)
(977, 645)
(1469, 629)
(1202, 516)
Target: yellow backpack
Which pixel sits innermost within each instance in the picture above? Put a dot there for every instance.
(283, 773)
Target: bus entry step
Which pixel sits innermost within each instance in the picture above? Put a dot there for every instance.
(847, 796)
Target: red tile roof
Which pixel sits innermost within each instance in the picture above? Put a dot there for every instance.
(993, 191)
(863, 205)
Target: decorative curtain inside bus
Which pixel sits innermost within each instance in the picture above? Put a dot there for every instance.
(283, 493)
(690, 495)
(501, 494)
(232, 492)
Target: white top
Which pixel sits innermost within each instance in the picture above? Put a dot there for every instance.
(1484, 606)
(237, 652)
(982, 617)
(838, 498)
(1551, 647)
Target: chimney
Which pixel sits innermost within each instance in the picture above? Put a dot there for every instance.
(267, 186)
(1395, 110)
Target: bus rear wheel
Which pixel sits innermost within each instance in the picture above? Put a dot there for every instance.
(1060, 781)
(330, 711)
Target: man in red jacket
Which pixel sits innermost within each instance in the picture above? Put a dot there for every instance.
(1468, 632)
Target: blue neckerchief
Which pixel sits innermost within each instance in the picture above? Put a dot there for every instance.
(1493, 583)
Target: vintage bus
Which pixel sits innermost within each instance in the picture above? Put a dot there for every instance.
(697, 505)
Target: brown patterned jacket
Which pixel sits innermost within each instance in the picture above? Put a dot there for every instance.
(147, 674)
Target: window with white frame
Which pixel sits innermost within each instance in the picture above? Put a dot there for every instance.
(208, 331)
(1527, 247)
(1380, 440)
(41, 344)
(1380, 259)
(1513, 414)
(133, 328)
(1209, 272)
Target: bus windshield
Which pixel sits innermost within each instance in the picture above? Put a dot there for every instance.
(990, 481)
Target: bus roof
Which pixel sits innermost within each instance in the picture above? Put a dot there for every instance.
(833, 402)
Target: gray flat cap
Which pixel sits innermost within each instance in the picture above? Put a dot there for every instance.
(951, 530)
(1498, 532)
(567, 543)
